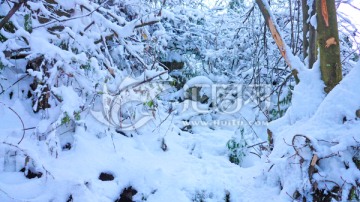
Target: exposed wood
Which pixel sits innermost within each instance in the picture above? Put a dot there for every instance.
(330, 41)
(313, 162)
(324, 12)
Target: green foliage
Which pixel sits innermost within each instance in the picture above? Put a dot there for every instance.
(235, 4)
(2, 38)
(283, 105)
(237, 148)
(354, 194)
(28, 23)
(10, 27)
(356, 160)
(173, 82)
(66, 119)
(150, 104)
(87, 66)
(77, 116)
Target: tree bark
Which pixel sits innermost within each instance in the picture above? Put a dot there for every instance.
(328, 41)
(11, 13)
(309, 34)
(306, 27)
(312, 39)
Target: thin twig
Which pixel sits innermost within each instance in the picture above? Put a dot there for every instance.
(14, 84)
(22, 122)
(164, 120)
(74, 18)
(138, 84)
(257, 144)
(6, 194)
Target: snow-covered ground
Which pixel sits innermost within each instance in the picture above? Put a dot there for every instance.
(194, 167)
(163, 162)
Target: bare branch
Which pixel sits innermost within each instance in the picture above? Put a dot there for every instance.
(11, 13)
(22, 122)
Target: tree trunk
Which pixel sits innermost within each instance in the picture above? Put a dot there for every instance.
(312, 39)
(328, 41)
(306, 27)
(309, 34)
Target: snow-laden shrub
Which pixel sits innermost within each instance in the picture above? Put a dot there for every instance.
(68, 50)
(237, 147)
(316, 143)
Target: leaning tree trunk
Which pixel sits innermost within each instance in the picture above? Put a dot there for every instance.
(328, 41)
(279, 40)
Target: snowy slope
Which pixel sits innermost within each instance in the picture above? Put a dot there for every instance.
(326, 127)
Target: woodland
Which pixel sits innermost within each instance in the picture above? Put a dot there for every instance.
(179, 100)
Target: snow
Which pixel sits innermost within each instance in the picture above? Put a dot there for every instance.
(197, 81)
(318, 118)
(138, 162)
(177, 149)
(71, 101)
